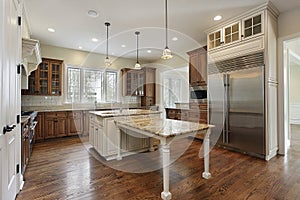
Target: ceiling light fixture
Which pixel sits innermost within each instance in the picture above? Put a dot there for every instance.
(107, 60)
(95, 40)
(137, 64)
(92, 13)
(167, 54)
(123, 45)
(175, 38)
(52, 30)
(149, 51)
(218, 17)
(80, 47)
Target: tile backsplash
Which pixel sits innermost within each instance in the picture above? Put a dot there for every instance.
(29, 100)
(40, 103)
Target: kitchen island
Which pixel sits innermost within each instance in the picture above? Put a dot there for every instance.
(166, 130)
(104, 138)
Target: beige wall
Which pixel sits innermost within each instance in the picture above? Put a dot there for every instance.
(83, 58)
(294, 83)
(288, 23)
(77, 58)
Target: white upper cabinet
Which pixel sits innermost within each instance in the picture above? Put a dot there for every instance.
(235, 31)
(253, 26)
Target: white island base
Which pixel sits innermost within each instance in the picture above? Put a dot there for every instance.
(166, 131)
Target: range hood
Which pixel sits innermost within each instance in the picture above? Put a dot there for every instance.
(31, 58)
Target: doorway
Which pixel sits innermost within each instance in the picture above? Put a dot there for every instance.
(292, 48)
(289, 95)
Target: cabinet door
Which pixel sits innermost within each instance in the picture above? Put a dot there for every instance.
(39, 129)
(55, 78)
(61, 127)
(75, 123)
(49, 127)
(215, 39)
(110, 137)
(194, 77)
(232, 33)
(202, 68)
(86, 122)
(91, 134)
(43, 84)
(253, 26)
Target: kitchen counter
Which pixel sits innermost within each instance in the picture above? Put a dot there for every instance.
(166, 130)
(77, 107)
(163, 127)
(119, 113)
(103, 132)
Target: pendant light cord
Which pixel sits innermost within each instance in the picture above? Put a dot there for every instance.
(107, 24)
(166, 17)
(137, 46)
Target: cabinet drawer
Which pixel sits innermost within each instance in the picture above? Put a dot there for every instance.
(75, 114)
(56, 114)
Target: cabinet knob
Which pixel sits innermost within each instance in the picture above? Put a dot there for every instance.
(242, 36)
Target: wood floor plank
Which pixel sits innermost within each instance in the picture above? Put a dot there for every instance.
(68, 169)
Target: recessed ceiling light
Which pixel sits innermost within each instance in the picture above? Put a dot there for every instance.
(218, 17)
(174, 38)
(123, 45)
(92, 13)
(80, 47)
(95, 40)
(149, 51)
(52, 30)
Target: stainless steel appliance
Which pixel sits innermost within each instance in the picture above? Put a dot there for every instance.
(32, 122)
(236, 89)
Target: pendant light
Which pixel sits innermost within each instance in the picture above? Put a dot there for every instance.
(137, 64)
(107, 60)
(167, 54)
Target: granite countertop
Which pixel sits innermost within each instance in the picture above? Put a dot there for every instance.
(163, 127)
(24, 119)
(126, 112)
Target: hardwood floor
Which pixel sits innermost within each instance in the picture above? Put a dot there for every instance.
(65, 169)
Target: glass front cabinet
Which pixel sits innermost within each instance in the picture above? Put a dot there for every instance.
(235, 32)
(46, 79)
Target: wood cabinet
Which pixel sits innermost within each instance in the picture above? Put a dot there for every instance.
(193, 114)
(86, 122)
(46, 80)
(198, 67)
(39, 129)
(231, 32)
(140, 83)
(55, 124)
(148, 99)
(75, 123)
(133, 82)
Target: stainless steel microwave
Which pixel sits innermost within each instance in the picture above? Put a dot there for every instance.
(198, 94)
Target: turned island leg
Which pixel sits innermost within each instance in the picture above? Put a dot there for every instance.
(166, 195)
(206, 173)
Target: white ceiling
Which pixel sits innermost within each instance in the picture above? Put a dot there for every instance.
(187, 21)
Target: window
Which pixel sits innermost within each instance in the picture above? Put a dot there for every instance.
(90, 86)
(175, 87)
(172, 91)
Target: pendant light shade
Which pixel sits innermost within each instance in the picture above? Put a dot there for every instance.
(167, 54)
(107, 60)
(137, 64)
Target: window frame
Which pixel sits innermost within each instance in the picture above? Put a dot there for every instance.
(82, 84)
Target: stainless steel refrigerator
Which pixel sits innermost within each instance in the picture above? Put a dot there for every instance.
(236, 97)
